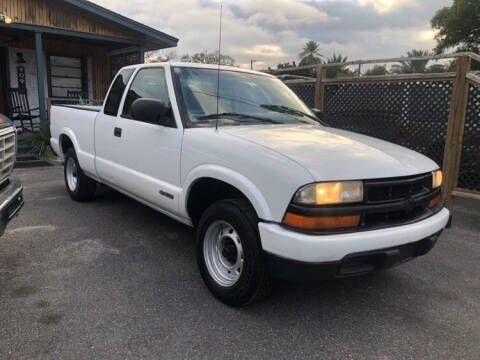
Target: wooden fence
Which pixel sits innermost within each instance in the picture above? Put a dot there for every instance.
(435, 114)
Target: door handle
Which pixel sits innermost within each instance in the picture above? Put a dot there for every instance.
(117, 132)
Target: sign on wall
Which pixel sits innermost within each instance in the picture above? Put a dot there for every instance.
(21, 77)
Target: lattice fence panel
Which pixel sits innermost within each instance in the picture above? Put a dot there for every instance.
(306, 92)
(411, 114)
(469, 172)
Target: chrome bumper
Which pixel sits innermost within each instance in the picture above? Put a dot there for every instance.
(11, 201)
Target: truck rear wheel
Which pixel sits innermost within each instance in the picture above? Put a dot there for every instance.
(229, 254)
(79, 186)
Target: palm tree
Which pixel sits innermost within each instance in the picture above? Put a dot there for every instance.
(336, 59)
(310, 54)
(415, 66)
(333, 72)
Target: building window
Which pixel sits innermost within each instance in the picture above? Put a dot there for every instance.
(67, 77)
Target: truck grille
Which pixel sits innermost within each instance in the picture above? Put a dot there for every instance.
(397, 191)
(7, 153)
(394, 189)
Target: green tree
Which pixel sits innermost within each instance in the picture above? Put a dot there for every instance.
(415, 66)
(310, 54)
(286, 65)
(337, 71)
(453, 65)
(396, 69)
(458, 25)
(377, 70)
(205, 57)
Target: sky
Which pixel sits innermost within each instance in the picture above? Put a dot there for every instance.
(274, 31)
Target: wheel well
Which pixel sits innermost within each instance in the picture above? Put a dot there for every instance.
(65, 143)
(205, 192)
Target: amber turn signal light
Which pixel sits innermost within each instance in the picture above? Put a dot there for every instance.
(434, 202)
(320, 222)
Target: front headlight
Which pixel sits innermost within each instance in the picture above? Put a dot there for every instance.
(437, 179)
(327, 193)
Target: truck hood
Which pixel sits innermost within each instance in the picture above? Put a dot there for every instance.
(333, 154)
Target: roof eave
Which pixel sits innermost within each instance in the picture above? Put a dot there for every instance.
(158, 36)
(155, 44)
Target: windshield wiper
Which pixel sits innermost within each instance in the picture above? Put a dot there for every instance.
(287, 110)
(238, 115)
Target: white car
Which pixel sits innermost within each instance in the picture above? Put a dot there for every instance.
(271, 191)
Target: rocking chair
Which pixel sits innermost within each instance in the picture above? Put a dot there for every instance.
(20, 111)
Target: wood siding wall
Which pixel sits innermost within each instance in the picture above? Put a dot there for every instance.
(100, 59)
(55, 14)
(101, 74)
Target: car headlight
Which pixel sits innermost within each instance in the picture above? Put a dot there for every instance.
(437, 179)
(327, 193)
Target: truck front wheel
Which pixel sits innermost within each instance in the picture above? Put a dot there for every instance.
(229, 254)
(79, 186)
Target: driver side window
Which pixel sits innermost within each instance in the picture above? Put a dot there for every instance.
(148, 83)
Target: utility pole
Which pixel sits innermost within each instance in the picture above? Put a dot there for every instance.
(251, 63)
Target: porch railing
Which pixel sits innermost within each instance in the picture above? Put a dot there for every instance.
(71, 101)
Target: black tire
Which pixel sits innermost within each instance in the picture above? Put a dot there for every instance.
(253, 282)
(85, 186)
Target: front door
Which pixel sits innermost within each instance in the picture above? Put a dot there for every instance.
(3, 81)
(148, 154)
(3, 107)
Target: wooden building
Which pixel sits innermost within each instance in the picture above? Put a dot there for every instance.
(67, 48)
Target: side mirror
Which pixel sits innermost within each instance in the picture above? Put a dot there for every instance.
(318, 113)
(150, 110)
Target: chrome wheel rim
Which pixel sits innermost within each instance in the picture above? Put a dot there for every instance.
(223, 253)
(71, 171)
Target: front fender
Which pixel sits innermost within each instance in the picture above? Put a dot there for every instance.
(230, 177)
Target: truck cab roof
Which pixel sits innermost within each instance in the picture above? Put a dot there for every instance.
(197, 65)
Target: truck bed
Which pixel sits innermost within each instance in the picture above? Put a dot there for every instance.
(78, 122)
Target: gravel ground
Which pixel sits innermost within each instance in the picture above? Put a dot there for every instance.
(113, 279)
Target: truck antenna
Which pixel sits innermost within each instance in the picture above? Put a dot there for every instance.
(218, 60)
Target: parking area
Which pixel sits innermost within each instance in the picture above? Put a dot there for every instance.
(113, 279)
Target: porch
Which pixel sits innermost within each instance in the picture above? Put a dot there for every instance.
(53, 66)
(64, 51)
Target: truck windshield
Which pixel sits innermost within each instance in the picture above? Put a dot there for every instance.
(245, 98)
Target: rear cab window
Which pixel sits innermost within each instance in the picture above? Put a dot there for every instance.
(115, 95)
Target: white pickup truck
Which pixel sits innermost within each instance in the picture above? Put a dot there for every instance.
(271, 191)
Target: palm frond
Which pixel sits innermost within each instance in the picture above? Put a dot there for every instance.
(39, 141)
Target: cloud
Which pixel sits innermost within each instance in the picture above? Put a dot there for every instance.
(267, 50)
(274, 31)
(284, 13)
(385, 5)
